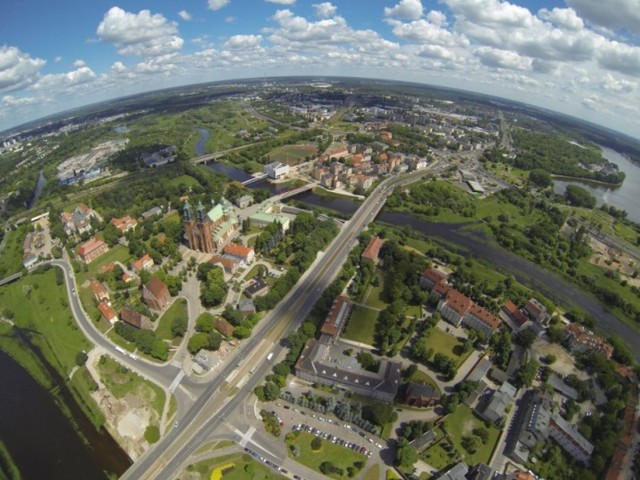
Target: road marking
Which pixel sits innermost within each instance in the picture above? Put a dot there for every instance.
(176, 381)
(245, 437)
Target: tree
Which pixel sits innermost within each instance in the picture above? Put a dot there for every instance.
(482, 433)
(540, 177)
(471, 443)
(179, 326)
(406, 455)
(81, 359)
(197, 342)
(527, 373)
(152, 434)
(204, 322)
(526, 337)
(316, 443)
(579, 197)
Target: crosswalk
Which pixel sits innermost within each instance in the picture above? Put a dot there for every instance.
(176, 381)
(245, 437)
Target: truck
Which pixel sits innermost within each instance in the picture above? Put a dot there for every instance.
(121, 350)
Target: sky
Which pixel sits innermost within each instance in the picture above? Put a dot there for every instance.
(579, 57)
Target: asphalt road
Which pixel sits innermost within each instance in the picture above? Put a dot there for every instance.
(213, 406)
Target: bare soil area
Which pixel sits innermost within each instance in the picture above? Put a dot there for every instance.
(614, 259)
(564, 364)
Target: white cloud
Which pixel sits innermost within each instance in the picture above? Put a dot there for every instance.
(620, 57)
(437, 18)
(495, 58)
(11, 101)
(282, 2)
(118, 67)
(562, 17)
(407, 9)
(436, 51)
(141, 34)
(57, 59)
(64, 80)
(325, 9)
(79, 63)
(217, 4)
(230, 19)
(184, 15)
(423, 31)
(610, 14)
(17, 69)
(242, 42)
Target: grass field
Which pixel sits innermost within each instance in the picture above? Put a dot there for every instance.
(447, 344)
(424, 379)
(374, 295)
(178, 309)
(293, 154)
(341, 457)
(188, 180)
(460, 424)
(121, 382)
(11, 255)
(362, 325)
(117, 253)
(244, 467)
(438, 457)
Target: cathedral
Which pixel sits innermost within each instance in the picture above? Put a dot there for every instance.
(208, 231)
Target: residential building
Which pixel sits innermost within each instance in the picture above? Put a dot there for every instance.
(454, 306)
(100, 292)
(276, 170)
(244, 201)
(79, 220)
(156, 294)
(561, 387)
(228, 264)
(124, 224)
(327, 364)
(126, 277)
(432, 277)
(336, 317)
(516, 315)
(143, 263)
(246, 307)
(257, 288)
(209, 231)
(134, 318)
(480, 319)
(481, 472)
(364, 181)
(418, 395)
(581, 340)
(457, 472)
(224, 327)
(569, 439)
(91, 249)
(107, 312)
(160, 157)
(537, 311)
(373, 249)
(245, 254)
(501, 399)
(152, 212)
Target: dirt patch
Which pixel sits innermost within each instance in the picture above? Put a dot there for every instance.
(564, 364)
(467, 428)
(614, 259)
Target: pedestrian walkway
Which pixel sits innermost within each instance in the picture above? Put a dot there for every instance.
(245, 437)
(176, 381)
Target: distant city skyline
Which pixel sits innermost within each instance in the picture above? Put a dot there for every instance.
(578, 57)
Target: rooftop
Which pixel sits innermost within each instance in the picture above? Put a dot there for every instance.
(336, 316)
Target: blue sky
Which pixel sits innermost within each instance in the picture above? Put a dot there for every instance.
(580, 57)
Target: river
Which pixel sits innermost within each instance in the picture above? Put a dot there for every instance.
(41, 440)
(625, 197)
(40, 183)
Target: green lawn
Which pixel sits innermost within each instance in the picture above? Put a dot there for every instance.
(424, 379)
(460, 424)
(438, 457)
(292, 154)
(447, 344)
(362, 325)
(121, 382)
(373, 473)
(188, 180)
(11, 255)
(244, 468)
(341, 457)
(178, 309)
(117, 253)
(374, 295)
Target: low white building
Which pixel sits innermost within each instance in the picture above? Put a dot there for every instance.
(276, 170)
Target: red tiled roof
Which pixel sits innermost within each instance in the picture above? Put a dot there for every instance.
(337, 316)
(107, 268)
(89, 246)
(132, 317)
(458, 302)
(157, 288)
(485, 316)
(224, 327)
(373, 249)
(139, 264)
(515, 313)
(441, 289)
(106, 311)
(238, 250)
(98, 289)
(227, 263)
(434, 275)
(124, 223)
